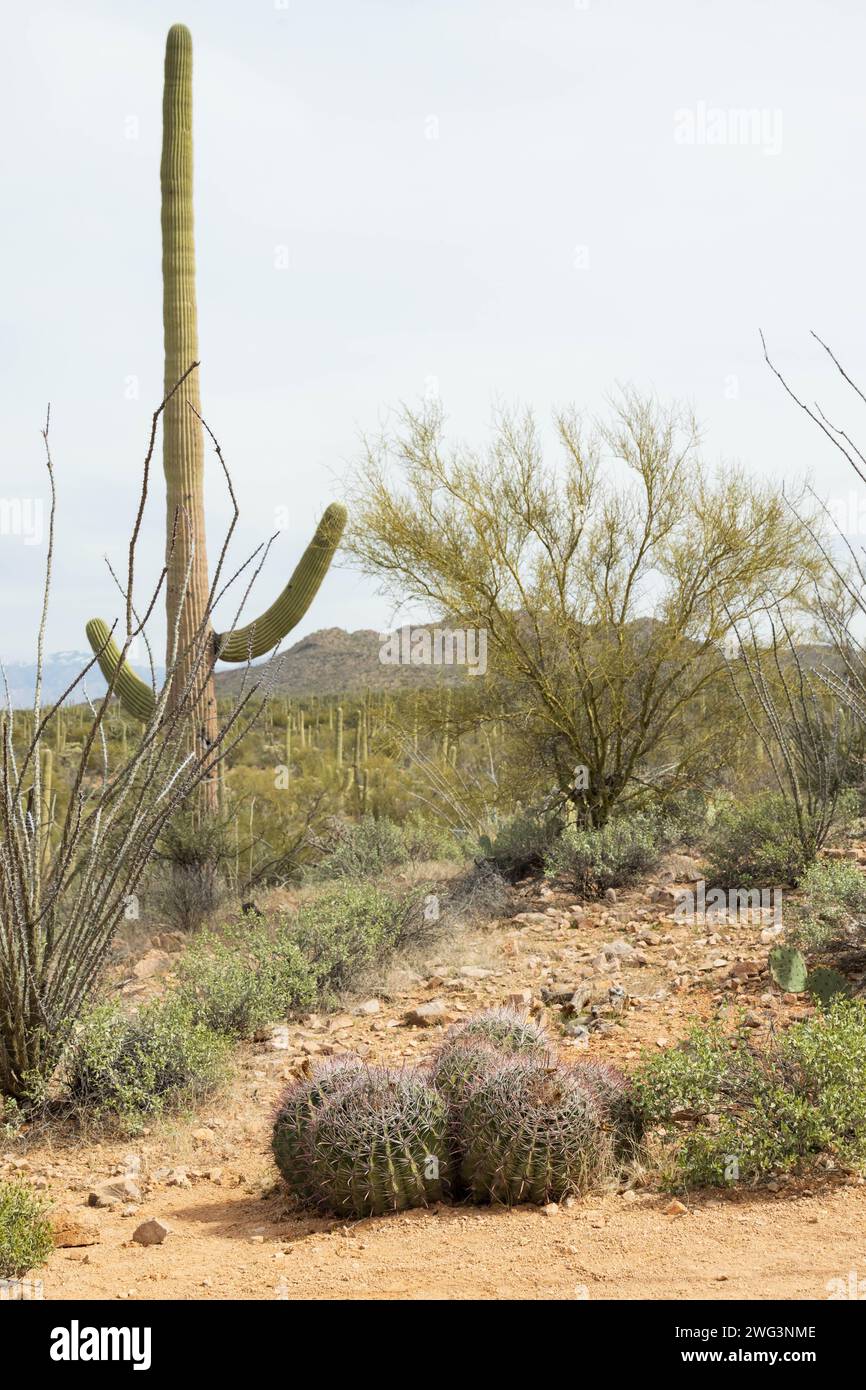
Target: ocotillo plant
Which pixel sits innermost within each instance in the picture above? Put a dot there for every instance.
(189, 595)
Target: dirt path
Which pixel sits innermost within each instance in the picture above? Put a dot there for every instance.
(232, 1234)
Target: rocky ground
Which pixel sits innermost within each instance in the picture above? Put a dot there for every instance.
(192, 1209)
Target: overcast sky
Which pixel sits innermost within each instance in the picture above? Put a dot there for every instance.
(499, 200)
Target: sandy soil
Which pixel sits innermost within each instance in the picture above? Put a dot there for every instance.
(210, 1178)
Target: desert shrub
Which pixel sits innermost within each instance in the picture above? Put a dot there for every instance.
(755, 844)
(246, 975)
(427, 839)
(363, 849)
(613, 856)
(519, 843)
(480, 891)
(192, 853)
(683, 817)
(835, 894)
(25, 1230)
(835, 887)
(258, 970)
(353, 927)
(752, 1110)
(364, 1142)
(531, 1131)
(129, 1067)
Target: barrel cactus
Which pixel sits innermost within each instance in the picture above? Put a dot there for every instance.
(296, 1115)
(365, 1143)
(460, 1062)
(508, 1029)
(532, 1131)
(613, 1091)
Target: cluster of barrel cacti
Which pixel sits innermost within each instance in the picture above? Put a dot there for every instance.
(494, 1117)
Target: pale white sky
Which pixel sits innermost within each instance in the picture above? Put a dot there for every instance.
(503, 198)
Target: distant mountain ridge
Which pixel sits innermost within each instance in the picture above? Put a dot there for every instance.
(328, 662)
(333, 662)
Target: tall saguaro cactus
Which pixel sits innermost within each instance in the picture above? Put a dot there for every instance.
(182, 442)
(187, 590)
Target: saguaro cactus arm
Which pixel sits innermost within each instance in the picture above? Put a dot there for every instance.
(134, 694)
(286, 612)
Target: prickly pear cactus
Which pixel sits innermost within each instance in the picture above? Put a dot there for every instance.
(788, 969)
(532, 1132)
(827, 985)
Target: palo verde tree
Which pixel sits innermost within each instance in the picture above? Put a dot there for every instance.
(188, 591)
(606, 586)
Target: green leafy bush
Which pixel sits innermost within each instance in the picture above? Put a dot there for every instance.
(25, 1230)
(730, 1108)
(129, 1067)
(683, 817)
(369, 847)
(427, 839)
(755, 844)
(835, 888)
(614, 856)
(353, 927)
(259, 970)
(248, 974)
(520, 843)
(363, 849)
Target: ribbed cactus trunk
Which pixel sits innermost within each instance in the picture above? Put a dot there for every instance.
(183, 445)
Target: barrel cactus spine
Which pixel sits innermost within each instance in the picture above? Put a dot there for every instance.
(382, 1145)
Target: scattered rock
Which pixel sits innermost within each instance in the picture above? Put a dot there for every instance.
(114, 1193)
(617, 997)
(675, 1208)
(770, 934)
(666, 896)
(427, 1015)
(69, 1232)
(559, 994)
(151, 1232)
(169, 941)
(153, 963)
(368, 1008)
(520, 1000)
